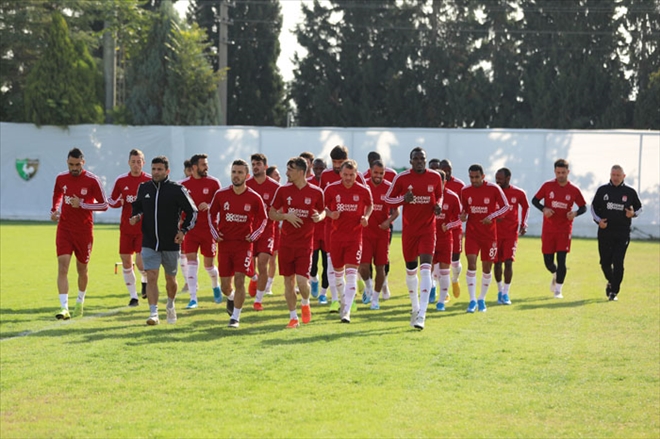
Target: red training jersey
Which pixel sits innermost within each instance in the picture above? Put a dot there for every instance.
(485, 201)
(235, 217)
(560, 199)
(509, 224)
(302, 202)
(85, 186)
(427, 188)
(123, 194)
(389, 174)
(201, 190)
(381, 211)
(455, 185)
(266, 191)
(451, 209)
(351, 203)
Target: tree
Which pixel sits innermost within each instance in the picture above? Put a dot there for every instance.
(61, 88)
(647, 108)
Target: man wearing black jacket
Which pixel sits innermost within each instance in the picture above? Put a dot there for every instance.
(160, 203)
(613, 208)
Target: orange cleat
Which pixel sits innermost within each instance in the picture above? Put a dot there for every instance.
(293, 323)
(252, 288)
(306, 313)
(258, 306)
(455, 289)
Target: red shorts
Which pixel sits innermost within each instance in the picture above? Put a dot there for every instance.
(294, 260)
(443, 248)
(506, 248)
(319, 236)
(555, 242)
(346, 253)
(486, 247)
(205, 244)
(129, 244)
(457, 236)
(416, 245)
(78, 243)
(235, 257)
(266, 241)
(376, 249)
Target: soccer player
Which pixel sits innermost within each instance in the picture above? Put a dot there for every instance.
(419, 190)
(262, 249)
(274, 173)
(201, 187)
(299, 206)
(78, 193)
(509, 226)
(183, 262)
(615, 205)
(559, 196)
(123, 194)
(237, 219)
(445, 222)
(318, 166)
(482, 202)
(159, 205)
(376, 237)
(348, 204)
(455, 185)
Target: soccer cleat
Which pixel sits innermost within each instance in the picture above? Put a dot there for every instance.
(334, 306)
(553, 283)
(346, 319)
(455, 289)
(558, 295)
(230, 307)
(78, 310)
(505, 299)
(323, 300)
(413, 318)
(293, 323)
(613, 297)
(419, 322)
(153, 320)
(481, 304)
(144, 290)
(252, 288)
(499, 298)
(472, 306)
(608, 289)
(134, 302)
(374, 306)
(432, 295)
(315, 288)
(192, 304)
(354, 307)
(306, 314)
(63, 314)
(257, 306)
(386, 292)
(171, 315)
(366, 298)
(217, 295)
(440, 306)
(447, 298)
(233, 323)
(185, 288)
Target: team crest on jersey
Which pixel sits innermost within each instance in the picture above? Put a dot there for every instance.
(445, 207)
(205, 191)
(606, 197)
(27, 168)
(551, 195)
(568, 198)
(430, 188)
(247, 208)
(356, 198)
(266, 196)
(308, 201)
(83, 191)
(624, 198)
(486, 200)
(226, 206)
(513, 200)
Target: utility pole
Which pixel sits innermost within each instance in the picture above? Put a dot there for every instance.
(223, 49)
(109, 71)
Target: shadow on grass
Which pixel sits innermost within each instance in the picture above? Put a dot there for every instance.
(550, 302)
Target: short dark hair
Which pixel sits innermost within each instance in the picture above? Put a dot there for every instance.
(432, 161)
(161, 159)
(476, 168)
(376, 162)
(187, 164)
(373, 155)
(339, 152)
(194, 160)
(321, 161)
(307, 156)
(241, 162)
(298, 163)
(76, 153)
(561, 163)
(271, 169)
(135, 152)
(259, 157)
(444, 163)
(505, 171)
(417, 149)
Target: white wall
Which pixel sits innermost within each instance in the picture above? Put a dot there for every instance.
(528, 153)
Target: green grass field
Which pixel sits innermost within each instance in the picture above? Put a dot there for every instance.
(577, 367)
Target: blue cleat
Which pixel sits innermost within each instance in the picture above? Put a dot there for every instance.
(440, 306)
(482, 305)
(499, 298)
(315, 288)
(323, 300)
(217, 295)
(192, 304)
(505, 299)
(366, 298)
(472, 306)
(374, 306)
(432, 295)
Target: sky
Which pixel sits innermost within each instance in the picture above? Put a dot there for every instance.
(291, 15)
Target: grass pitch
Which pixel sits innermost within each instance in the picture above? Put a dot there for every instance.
(577, 367)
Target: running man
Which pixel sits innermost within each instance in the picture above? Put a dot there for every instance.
(76, 195)
(455, 185)
(130, 236)
(559, 196)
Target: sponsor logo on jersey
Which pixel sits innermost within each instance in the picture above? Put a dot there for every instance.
(226, 206)
(300, 213)
(558, 205)
(235, 218)
(551, 195)
(346, 207)
(147, 196)
(131, 198)
(27, 168)
(126, 188)
(615, 206)
(338, 198)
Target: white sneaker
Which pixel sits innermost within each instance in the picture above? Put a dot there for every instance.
(171, 315)
(153, 320)
(413, 318)
(419, 322)
(553, 283)
(558, 295)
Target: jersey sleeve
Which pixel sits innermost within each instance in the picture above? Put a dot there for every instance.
(213, 213)
(115, 196)
(58, 194)
(101, 203)
(260, 219)
(394, 195)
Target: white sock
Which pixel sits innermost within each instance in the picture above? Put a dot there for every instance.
(425, 285)
(505, 288)
(269, 284)
(445, 280)
(64, 301)
(411, 283)
(471, 279)
(129, 280)
(170, 303)
(213, 274)
(183, 263)
(304, 301)
(339, 283)
(231, 295)
(143, 276)
(456, 270)
(350, 289)
(293, 315)
(375, 295)
(332, 282)
(500, 286)
(259, 297)
(191, 279)
(369, 285)
(81, 296)
(558, 288)
(314, 279)
(485, 283)
(236, 315)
